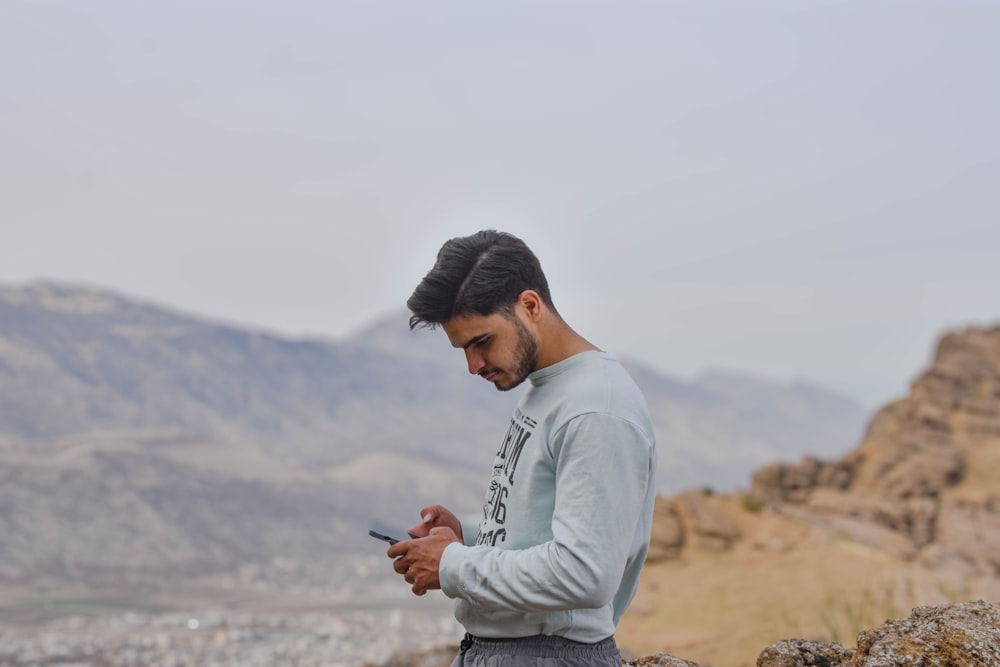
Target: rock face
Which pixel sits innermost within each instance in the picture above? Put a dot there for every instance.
(917, 487)
(910, 519)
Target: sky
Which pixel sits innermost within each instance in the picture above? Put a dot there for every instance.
(797, 190)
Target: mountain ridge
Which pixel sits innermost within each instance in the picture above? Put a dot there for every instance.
(109, 405)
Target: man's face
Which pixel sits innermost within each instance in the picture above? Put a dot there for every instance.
(498, 347)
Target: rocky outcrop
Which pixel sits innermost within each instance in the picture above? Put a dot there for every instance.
(897, 490)
(964, 634)
(913, 514)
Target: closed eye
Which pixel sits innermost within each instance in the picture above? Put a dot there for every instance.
(479, 342)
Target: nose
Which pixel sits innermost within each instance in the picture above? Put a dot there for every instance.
(475, 361)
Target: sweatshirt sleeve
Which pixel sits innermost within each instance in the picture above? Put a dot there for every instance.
(603, 468)
(470, 528)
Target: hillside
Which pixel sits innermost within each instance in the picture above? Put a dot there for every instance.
(823, 549)
(140, 444)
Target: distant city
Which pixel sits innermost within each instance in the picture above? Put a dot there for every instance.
(218, 638)
(386, 620)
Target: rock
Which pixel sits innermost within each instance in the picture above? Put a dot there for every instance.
(963, 634)
(960, 634)
(918, 470)
(804, 653)
(691, 517)
(869, 533)
(667, 538)
(971, 531)
(659, 660)
(705, 520)
(912, 520)
(783, 482)
(897, 490)
(838, 474)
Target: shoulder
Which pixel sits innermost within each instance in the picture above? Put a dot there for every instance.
(597, 384)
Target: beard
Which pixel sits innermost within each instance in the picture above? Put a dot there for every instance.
(525, 357)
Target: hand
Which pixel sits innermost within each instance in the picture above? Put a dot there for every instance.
(436, 516)
(418, 559)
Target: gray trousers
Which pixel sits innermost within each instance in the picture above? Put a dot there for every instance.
(537, 651)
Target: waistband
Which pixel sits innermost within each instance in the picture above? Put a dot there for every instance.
(540, 646)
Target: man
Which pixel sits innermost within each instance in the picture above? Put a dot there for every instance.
(556, 555)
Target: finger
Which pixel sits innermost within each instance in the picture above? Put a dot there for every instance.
(419, 530)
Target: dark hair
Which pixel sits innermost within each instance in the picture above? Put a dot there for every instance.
(479, 274)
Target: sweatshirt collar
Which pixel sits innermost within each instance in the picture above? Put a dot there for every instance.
(543, 375)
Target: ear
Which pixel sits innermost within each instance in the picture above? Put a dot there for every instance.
(531, 304)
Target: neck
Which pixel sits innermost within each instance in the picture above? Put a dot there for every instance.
(557, 341)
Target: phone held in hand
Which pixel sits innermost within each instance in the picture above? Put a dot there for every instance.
(386, 538)
(379, 535)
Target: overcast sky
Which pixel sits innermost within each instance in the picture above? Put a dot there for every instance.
(797, 189)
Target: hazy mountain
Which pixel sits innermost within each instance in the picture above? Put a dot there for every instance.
(136, 440)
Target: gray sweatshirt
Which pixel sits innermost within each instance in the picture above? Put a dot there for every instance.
(566, 522)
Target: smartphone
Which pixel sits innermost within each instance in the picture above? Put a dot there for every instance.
(386, 538)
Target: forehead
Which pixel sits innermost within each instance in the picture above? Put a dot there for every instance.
(465, 329)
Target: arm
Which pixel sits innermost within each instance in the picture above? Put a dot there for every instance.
(603, 469)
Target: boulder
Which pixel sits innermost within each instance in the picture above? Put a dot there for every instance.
(964, 633)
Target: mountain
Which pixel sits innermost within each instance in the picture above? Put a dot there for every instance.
(822, 549)
(139, 443)
(714, 430)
